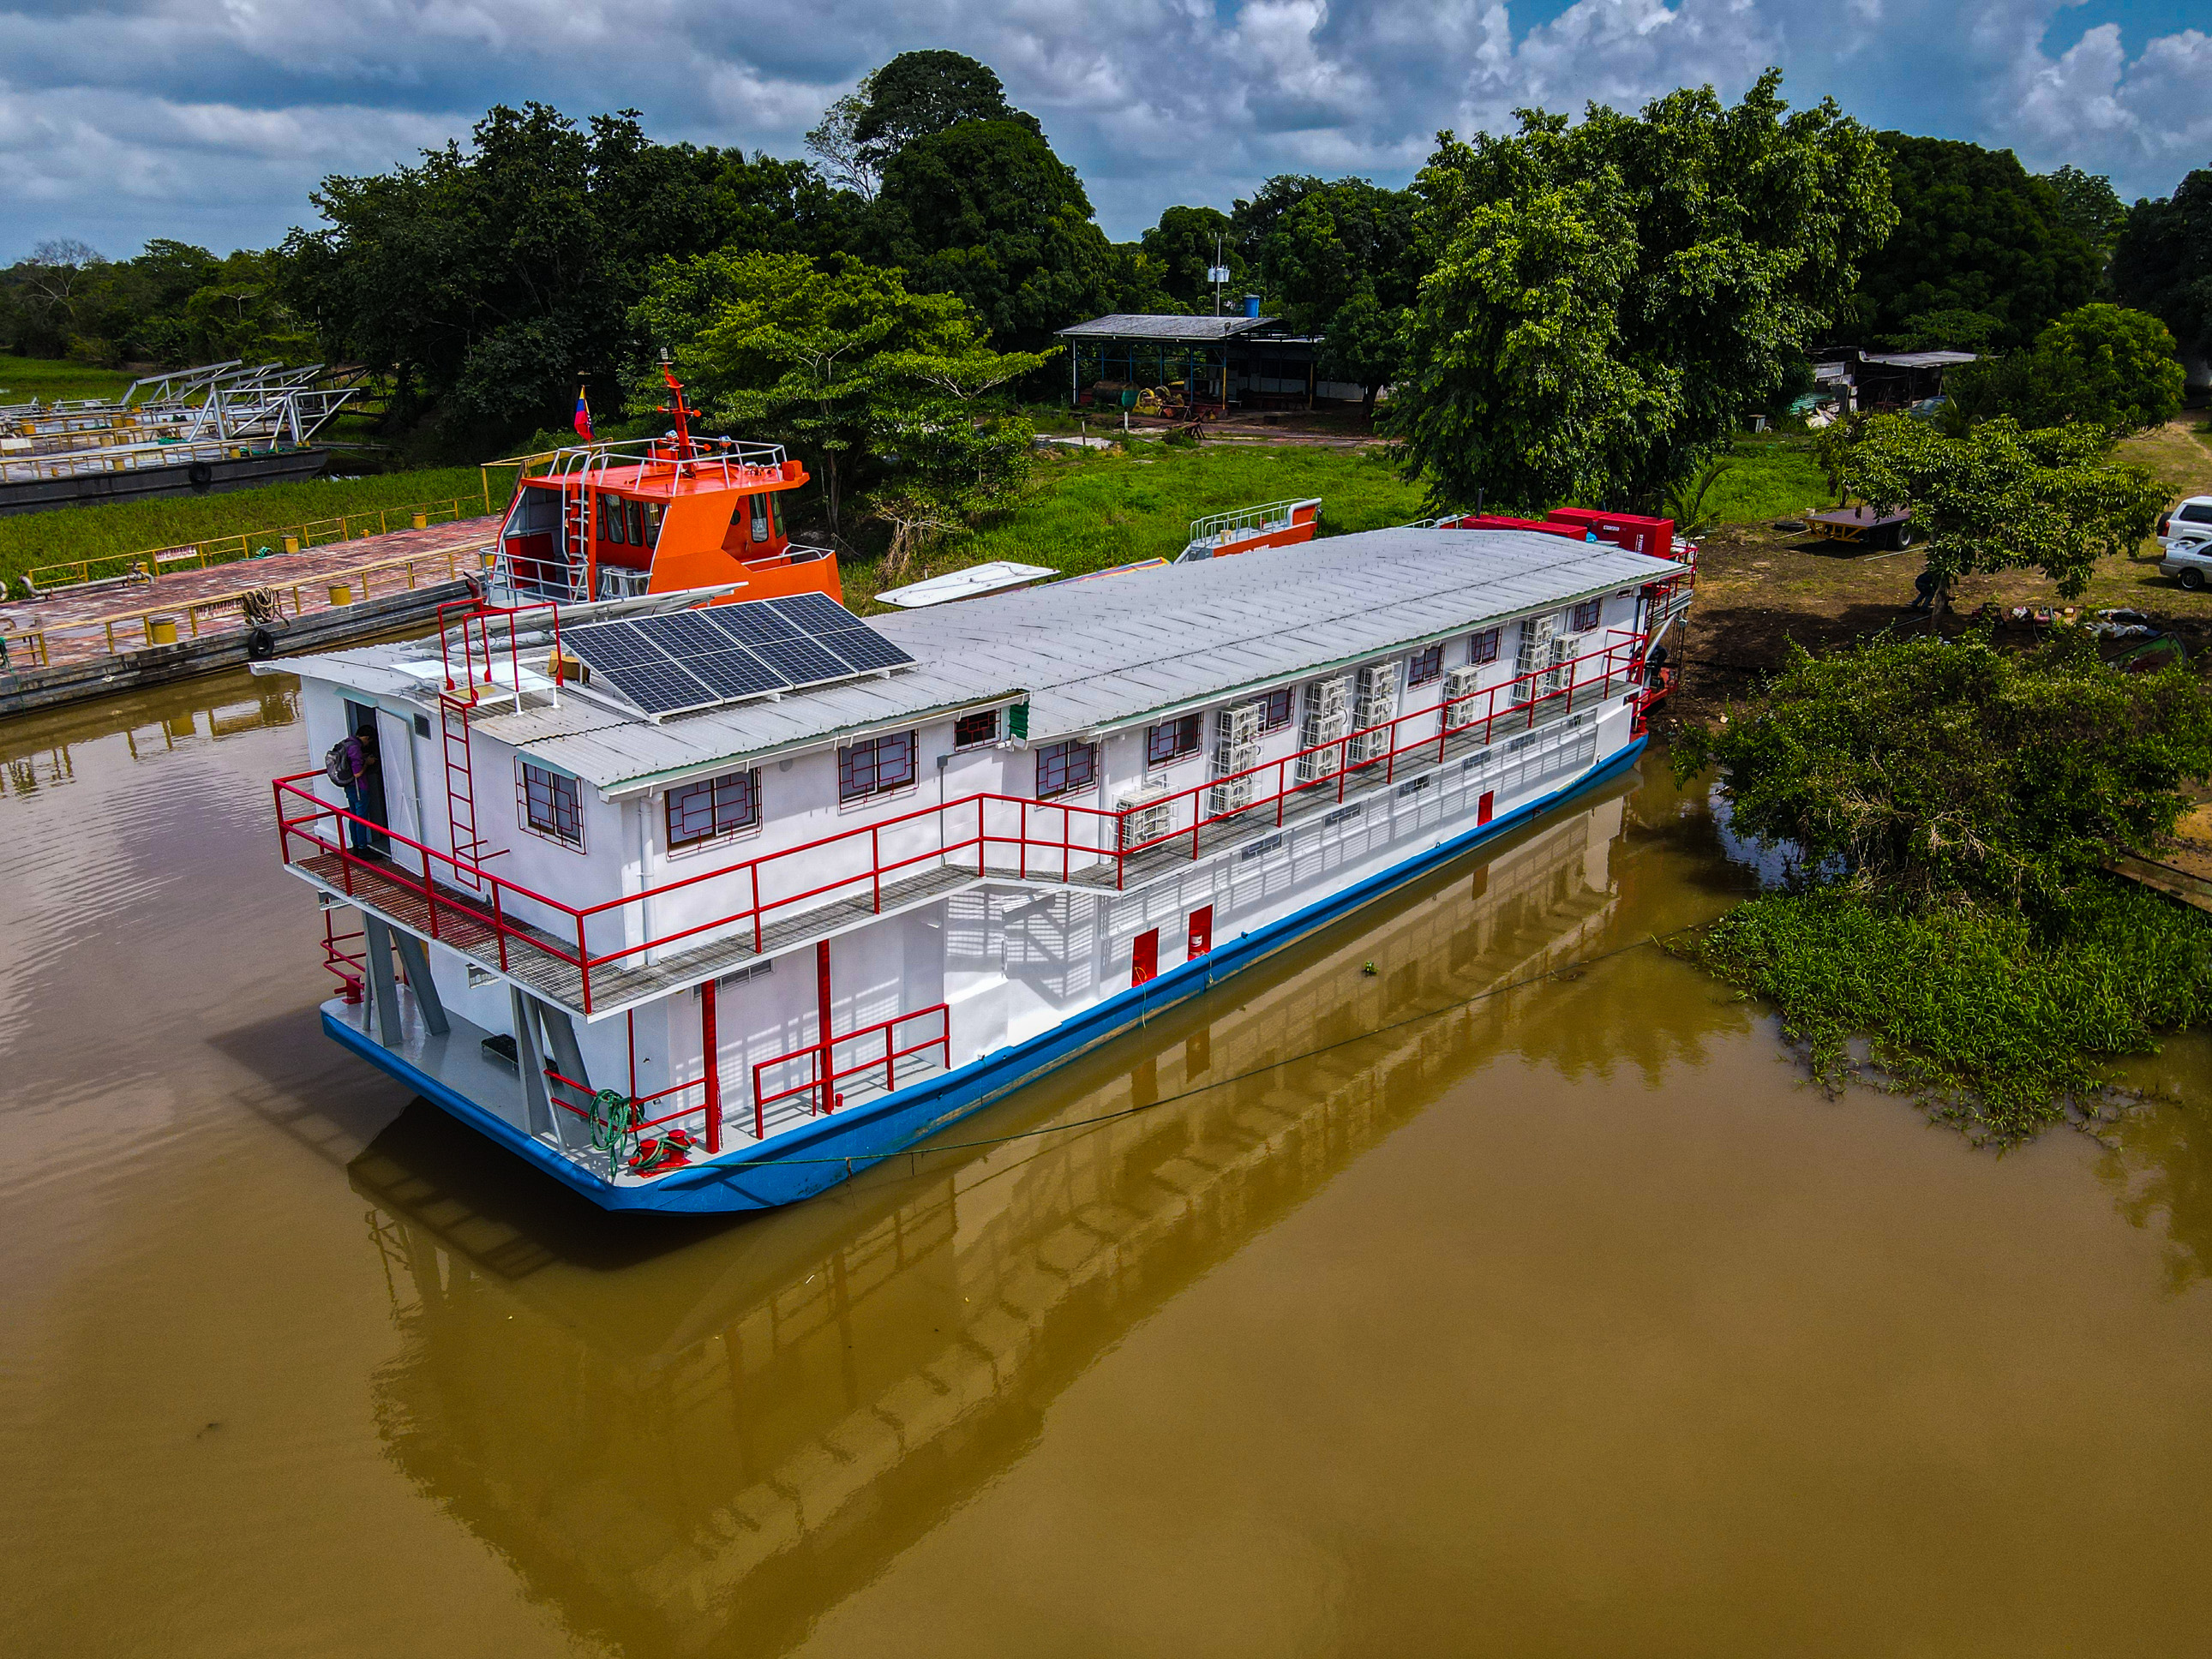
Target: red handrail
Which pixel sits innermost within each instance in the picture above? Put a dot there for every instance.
(1441, 724)
(822, 1057)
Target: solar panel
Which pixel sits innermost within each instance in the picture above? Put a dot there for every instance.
(686, 660)
(752, 622)
(666, 689)
(865, 649)
(734, 673)
(812, 613)
(802, 662)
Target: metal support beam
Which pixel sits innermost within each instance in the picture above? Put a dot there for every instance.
(530, 1062)
(384, 988)
(416, 960)
(821, 994)
(710, 1052)
(568, 1061)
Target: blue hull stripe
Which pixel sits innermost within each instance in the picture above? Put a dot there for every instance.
(818, 1155)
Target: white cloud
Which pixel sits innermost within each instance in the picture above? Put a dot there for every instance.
(125, 119)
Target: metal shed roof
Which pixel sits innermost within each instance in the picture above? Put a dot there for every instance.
(1093, 655)
(1141, 326)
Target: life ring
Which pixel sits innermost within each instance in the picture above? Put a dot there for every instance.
(260, 645)
(201, 473)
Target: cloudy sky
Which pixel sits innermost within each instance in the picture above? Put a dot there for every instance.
(211, 119)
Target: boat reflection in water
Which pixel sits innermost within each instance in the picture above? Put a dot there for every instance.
(739, 1423)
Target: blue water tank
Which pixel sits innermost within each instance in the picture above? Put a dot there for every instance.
(1251, 304)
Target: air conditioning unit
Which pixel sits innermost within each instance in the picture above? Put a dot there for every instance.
(1326, 719)
(1534, 656)
(1461, 687)
(1565, 648)
(1236, 749)
(1377, 704)
(1147, 815)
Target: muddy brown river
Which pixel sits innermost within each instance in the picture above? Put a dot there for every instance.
(1543, 1311)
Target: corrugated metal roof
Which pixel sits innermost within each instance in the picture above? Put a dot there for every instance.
(1142, 326)
(1093, 655)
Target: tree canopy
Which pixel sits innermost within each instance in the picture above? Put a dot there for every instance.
(986, 211)
(1184, 244)
(842, 363)
(1606, 303)
(2162, 261)
(1340, 261)
(1983, 252)
(1931, 771)
(2102, 364)
(491, 277)
(1999, 498)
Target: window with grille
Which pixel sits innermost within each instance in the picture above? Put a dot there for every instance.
(982, 726)
(710, 808)
(1064, 767)
(552, 805)
(1426, 666)
(1171, 740)
(1275, 710)
(1484, 647)
(875, 767)
(1585, 618)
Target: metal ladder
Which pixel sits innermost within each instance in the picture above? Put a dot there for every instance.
(461, 785)
(575, 538)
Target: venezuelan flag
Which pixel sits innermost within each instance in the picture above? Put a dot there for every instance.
(583, 418)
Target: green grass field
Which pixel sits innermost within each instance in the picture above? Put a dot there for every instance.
(1091, 511)
(268, 514)
(23, 379)
(1768, 477)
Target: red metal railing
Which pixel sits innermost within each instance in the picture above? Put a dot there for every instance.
(823, 1074)
(492, 913)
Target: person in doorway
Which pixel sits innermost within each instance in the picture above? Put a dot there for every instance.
(364, 787)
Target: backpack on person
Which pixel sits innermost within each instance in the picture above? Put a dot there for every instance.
(342, 765)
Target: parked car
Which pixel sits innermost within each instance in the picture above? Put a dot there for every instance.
(2189, 562)
(2191, 521)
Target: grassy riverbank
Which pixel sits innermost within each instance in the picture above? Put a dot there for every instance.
(1091, 511)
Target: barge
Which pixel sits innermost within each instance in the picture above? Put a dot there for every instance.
(704, 902)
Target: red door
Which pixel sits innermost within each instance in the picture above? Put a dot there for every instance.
(1482, 812)
(1201, 931)
(1145, 957)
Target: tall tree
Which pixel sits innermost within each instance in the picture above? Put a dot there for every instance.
(1976, 236)
(1607, 302)
(2089, 206)
(837, 362)
(985, 211)
(2103, 364)
(1341, 263)
(2162, 262)
(919, 94)
(1185, 243)
(1998, 498)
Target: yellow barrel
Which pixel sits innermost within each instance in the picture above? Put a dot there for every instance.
(291, 543)
(161, 630)
(421, 521)
(341, 593)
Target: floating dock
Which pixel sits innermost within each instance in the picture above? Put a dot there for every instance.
(103, 637)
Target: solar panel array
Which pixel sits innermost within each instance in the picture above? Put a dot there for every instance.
(690, 660)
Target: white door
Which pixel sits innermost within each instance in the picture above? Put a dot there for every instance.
(402, 796)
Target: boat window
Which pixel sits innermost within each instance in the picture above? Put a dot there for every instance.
(652, 524)
(611, 519)
(711, 808)
(982, 726)
(1426, 666)
(1275, 710)
(1171, 740)
(775, 515)
(1065, 768)
(1585, 618)
(1484, 647)
(875, 767)
(637, 524)
(552, 805)
(760, 517)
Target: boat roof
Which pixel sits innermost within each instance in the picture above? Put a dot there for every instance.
(1091, 656)
(665, 480)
